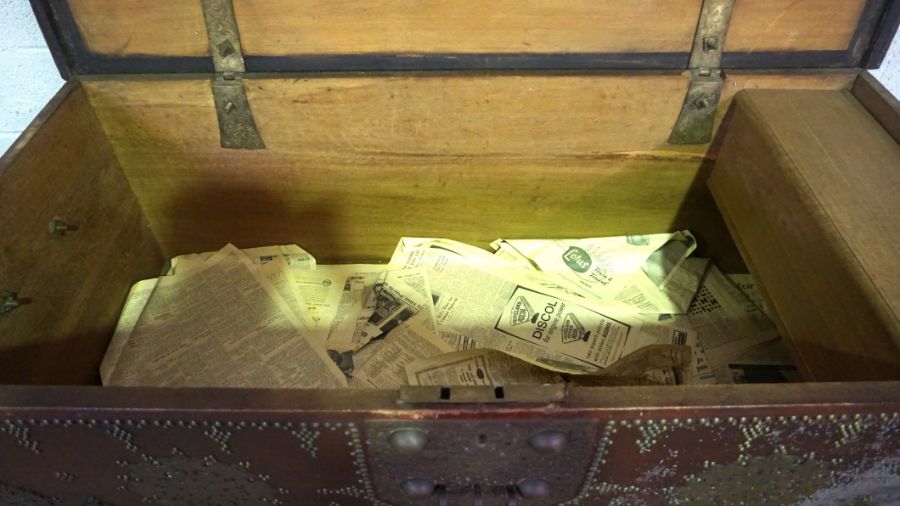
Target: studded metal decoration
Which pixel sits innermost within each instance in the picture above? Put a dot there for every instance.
(20, 433)
(182, 462)
(817, 459)
(22, 497)
(802, 460)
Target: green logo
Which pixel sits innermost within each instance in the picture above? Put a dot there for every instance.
(577, 259)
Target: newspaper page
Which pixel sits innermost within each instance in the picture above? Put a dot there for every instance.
(134, 306)
(222, 325)
(458, 341)
(382, 363)
(365, 281)
(698, 371)
(727, 322)
(343, 326)
(519, 318)
(477, 367)
(296, 257)
(277, 273)
(629, 271)
(404, 293)
(323, 289)
(747, 285)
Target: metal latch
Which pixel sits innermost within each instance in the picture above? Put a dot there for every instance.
(236, 124)
(534, 461)
(698, 114)
(521, 394)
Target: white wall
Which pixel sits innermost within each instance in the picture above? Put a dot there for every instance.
(889, 73)
(28, 77)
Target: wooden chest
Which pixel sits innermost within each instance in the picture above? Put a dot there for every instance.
(344, 125)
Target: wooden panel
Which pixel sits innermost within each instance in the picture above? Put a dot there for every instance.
(467, 26)
(798, 25)
(807, 182)
(296, 27)
(353, 163)
(879, 101)
(75, 285)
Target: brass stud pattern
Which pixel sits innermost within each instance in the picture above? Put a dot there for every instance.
(163, 479)
(363, 488)
(23, 497)
(21, 433)
(765, 446)
(764, 460)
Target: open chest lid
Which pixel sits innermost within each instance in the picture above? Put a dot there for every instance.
(170, 36)
(232, 38)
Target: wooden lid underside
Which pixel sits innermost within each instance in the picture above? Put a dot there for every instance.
(113, 36)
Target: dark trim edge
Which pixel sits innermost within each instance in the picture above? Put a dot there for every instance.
(50, 31)
(884, 35)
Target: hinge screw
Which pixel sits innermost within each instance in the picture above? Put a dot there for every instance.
(9, 301)
(226, 49)
(230, 106)
(710, 44)
(702, 102)
(59, 227)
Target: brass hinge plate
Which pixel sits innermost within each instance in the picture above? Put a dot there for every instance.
(697, 118)
(237, 126)
(236, 123)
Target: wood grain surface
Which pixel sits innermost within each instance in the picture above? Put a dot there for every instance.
(807, 181)
(296, 27)
(353, 163)
(879, 101)
(73, 286)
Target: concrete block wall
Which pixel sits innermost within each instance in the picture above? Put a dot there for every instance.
(28, 77)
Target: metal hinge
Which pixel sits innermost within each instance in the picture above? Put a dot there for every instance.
(698, 114)
(236, 124)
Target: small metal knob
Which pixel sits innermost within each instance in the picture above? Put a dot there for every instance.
(408, 440)
(549, 441)
(59, 227)
(9, 301)
(419, 488)
(533, 488)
